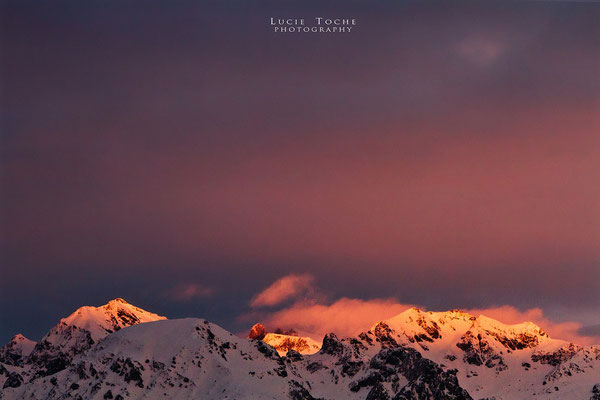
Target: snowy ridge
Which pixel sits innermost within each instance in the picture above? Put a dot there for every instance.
(100, 321)
(494, 360)
(415, 355)
(285, 343)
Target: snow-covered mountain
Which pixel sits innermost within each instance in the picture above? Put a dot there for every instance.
(285, 342)
(415, 355)
(492, 359)
(74, 335)
(16, 351)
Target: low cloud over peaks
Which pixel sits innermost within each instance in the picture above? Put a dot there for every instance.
(315, 317)
(345, 317)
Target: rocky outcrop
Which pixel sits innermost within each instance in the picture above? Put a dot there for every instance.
(478, 351)
(426, 379)
(556, 357)
(257, 332)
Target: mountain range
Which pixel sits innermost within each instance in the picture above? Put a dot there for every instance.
(119, 351)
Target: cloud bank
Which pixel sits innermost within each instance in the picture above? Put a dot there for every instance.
(349, 316)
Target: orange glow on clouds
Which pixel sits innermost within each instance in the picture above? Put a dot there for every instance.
(283, 289)
(348, 317)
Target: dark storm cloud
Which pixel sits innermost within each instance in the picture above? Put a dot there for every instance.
(443, 154)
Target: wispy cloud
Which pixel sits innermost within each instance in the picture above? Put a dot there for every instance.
(288, 287)
(189, 291)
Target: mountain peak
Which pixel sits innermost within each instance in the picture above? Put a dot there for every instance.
(14, 351)
(418, 313)
(112, 316)
(415, 316)
(82, 329)
(413, 311)
(18, 338)
(520, 328)
(88, 325)
(116, 301)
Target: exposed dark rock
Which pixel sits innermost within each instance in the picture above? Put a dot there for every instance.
(595, 392)
(365, 338)
(479, 352)
(521, 341)
(350, 367)
(293, 355)
(131, 371)
(378, 392)
(332, 345)
(298, 392)
(561, 355)
(384, 335)
(49, 359)
(13, 380)
(267, 350)
(12, 352)
(315, 366)
(432, 330)
(257, 332)
(426, 379)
